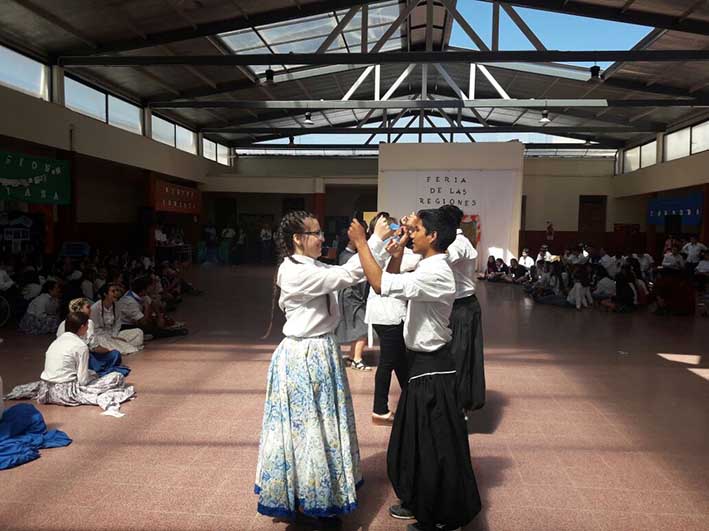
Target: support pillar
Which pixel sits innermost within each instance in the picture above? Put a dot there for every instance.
(651, 235)
(57, 88)
(704, 229)
(319, 201)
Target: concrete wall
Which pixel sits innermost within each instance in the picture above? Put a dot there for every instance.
(49, 124)
(553, 187)
(680, 173)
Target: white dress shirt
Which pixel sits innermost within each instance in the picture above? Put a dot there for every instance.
(526, 261)
(610, 263)
(106, 320)
(130, 308)
(67, 360)
(461, 257)
(645, 260)
(388, 310)
(694, 251)
(90, 338)
(307, 286)
(43, 304)
(430, 290)
(671, 261)
(702, 267)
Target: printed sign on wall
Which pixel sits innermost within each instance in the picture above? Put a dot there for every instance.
(34, 179)
(171, 197)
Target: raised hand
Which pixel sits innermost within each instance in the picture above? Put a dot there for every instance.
(382, 229)
(356, 233)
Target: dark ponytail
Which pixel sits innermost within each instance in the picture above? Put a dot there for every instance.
(292, 223)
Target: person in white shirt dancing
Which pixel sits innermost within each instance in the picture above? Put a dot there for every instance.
(428, 459)
(466, 319)
(308, 460)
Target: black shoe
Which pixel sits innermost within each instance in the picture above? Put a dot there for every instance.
(401, 513)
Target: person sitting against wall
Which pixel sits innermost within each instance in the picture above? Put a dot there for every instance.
(490, 269)
(525, 260)
(67, 379)
(518, 274)
(499, 273)
(107, 322)
(137, 311)
(42, 315)
(102, 360)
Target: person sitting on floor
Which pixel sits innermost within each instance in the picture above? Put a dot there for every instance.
(674, 293)
(42, 315)
(673, 259)
(605, 286)
(137, 311)
(610, 263)
(101, 359)
(580, 293)
(500, 271)
(625, 295)
(525, 260)
(490, 269)
(67, 379)
(556, 290)
(107, 322)
(518, 273)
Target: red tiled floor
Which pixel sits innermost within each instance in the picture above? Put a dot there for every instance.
(573, 435)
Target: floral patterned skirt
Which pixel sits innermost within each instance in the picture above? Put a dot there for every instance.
(308, 455)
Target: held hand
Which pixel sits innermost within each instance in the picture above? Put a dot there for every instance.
(395, 249)
(382, 229)
(356, 233)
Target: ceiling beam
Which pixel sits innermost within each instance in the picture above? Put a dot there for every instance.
(375, 147)
(311, 105)
(617, 14)
(223, 26)
(396, 130)
(506, 56)
(59, 22)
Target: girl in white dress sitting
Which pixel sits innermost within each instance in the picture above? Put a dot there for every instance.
(107, 324)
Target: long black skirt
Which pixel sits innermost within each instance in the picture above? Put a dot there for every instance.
(428, 459)
(467, 348)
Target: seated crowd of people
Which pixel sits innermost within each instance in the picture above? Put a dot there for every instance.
(100, 309)
(583, 277)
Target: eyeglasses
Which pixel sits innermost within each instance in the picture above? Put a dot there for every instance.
(318, 233)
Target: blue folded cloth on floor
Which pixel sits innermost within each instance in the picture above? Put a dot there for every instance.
(23, 433)
(107, 362)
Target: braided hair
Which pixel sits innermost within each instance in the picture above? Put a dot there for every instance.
(292, 223)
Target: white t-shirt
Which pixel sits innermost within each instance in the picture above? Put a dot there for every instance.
(605, 287)
(430, 291)
(43, 304)
(610, 263)
(461, 257)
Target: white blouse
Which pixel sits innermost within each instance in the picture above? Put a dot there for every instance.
(67, 360)
(308, 291)
(107, 320)
(430, 290)
(461, 257)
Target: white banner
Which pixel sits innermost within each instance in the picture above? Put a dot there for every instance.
(493, 197)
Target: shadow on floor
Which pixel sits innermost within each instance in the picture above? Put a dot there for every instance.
(487, 419)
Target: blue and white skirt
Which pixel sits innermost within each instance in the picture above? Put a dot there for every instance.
(308, 455)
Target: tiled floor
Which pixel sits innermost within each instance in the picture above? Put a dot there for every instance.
(586, 426)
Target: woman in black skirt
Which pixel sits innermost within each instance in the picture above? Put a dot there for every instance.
(428, 459)
(466, 319)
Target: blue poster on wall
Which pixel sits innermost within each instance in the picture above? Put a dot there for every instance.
(688, 206)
